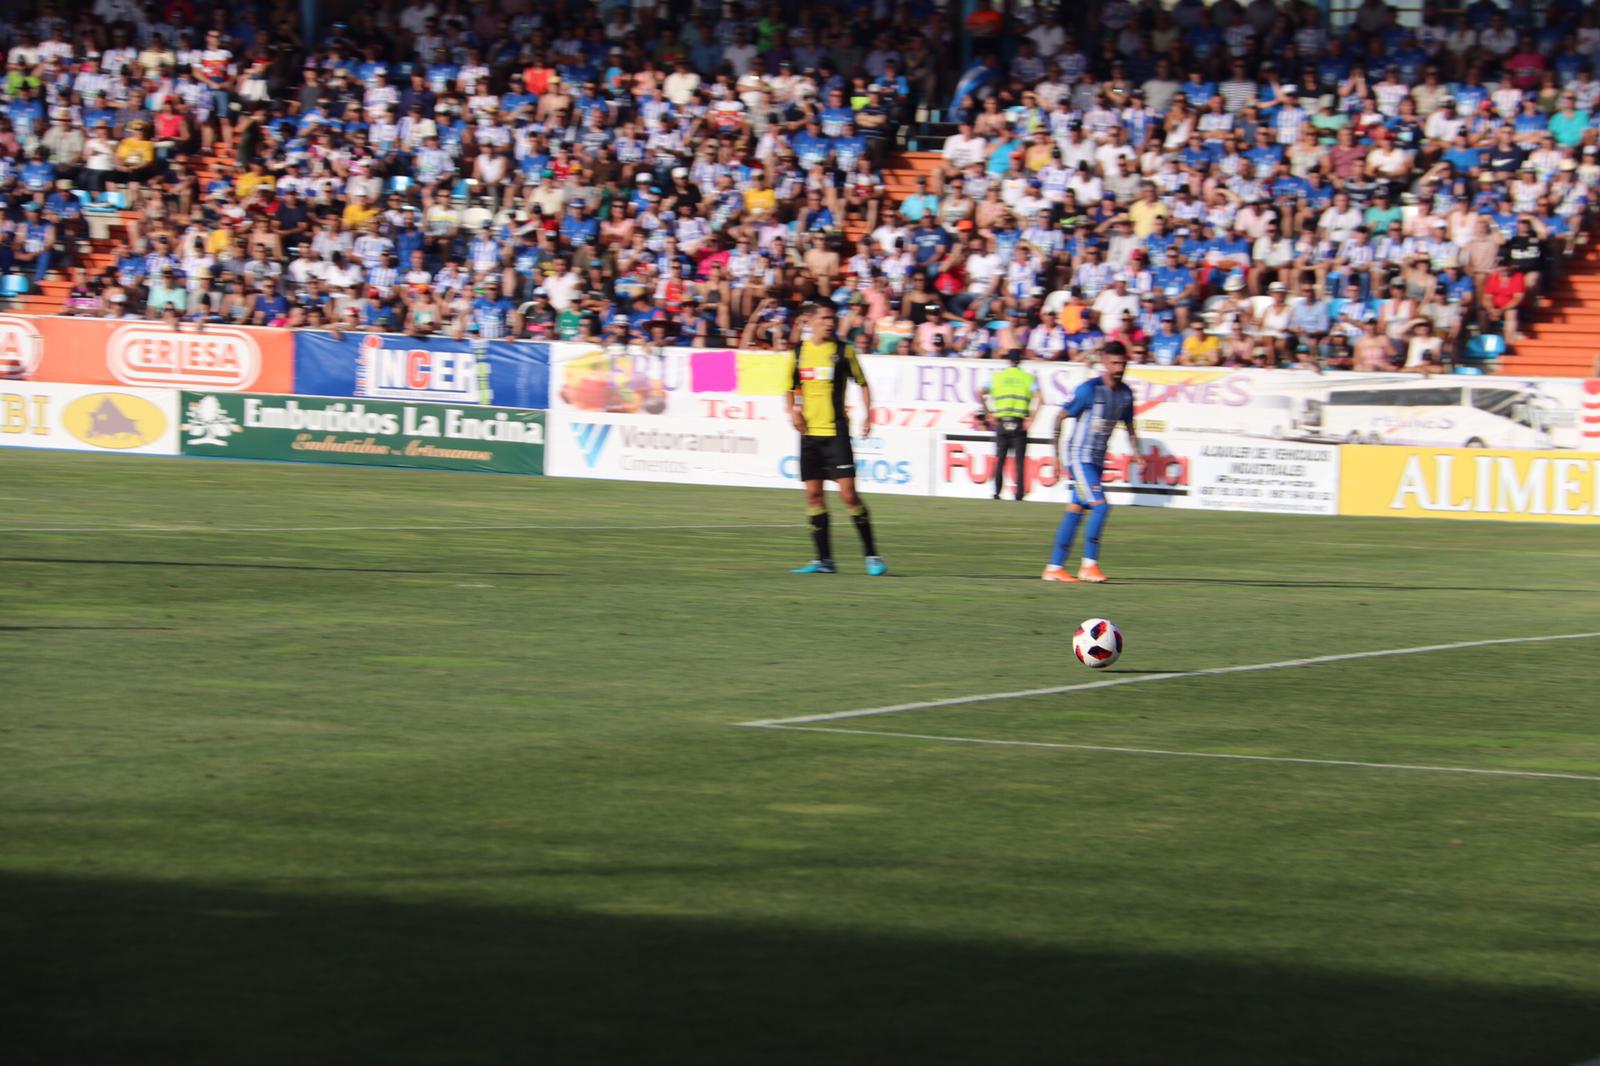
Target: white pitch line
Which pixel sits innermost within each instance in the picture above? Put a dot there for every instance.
(1185, 754)
(374, 529)
(1139, 679)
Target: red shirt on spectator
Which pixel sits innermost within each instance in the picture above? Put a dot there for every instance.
(537, 79)
(1504, 288)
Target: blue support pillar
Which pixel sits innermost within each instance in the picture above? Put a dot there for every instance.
(309, 12)
(967, 9)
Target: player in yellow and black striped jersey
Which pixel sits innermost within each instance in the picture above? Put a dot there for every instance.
(824, 366)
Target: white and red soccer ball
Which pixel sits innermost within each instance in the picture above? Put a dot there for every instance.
(1097, 643)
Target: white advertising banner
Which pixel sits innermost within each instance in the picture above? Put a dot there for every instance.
(1245, 475)
(1157, 476)
(945, 395)
(88, 418)
(1215, 438)
(718, 384)
(690, 451)
(701, 451)
(1212, 473)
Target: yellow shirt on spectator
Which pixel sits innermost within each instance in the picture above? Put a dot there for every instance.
(357, 215)
(1143, 215)
(249, 183)
(135, 152)
(760, 202)
(1200, 349)
(218, 240)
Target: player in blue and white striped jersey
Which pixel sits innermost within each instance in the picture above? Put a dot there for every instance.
(1096, 408)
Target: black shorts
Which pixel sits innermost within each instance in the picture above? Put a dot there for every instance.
(826, 459)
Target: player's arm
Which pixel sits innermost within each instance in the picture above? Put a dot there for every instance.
(983, 401)
(1133, 434)
(793, 398)
(1073, 409)
(853, 362)
(1055, 431)
(1034, 402)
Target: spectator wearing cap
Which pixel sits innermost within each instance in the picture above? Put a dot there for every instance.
(135, 157)
(1370, 352)
(1116, 302)
(935, 334)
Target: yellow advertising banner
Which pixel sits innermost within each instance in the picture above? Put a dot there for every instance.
(1504, 486)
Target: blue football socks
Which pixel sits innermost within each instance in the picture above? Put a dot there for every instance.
(1065, 532)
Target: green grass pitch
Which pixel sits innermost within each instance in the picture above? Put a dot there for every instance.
(281, 782)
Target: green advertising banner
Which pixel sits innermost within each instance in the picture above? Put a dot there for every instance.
(310, 429)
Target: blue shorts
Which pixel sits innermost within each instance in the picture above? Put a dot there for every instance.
(1085, 479)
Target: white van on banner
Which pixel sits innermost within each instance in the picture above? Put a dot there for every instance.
(88, 418)
(702, 451)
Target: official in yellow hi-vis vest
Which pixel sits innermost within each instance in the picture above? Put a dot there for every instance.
(824, 365)
(1009, 401)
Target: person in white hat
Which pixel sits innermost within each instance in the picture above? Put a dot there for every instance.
(1116, 301)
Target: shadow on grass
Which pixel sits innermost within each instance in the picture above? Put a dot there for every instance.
(189, 564)
(111, 972)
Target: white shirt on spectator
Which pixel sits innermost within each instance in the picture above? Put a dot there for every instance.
(562, 289)
(1338, 225)
(962, 151)
(680, 86)
(1111, 307)
(982, 270)
(739, 57)
(1106, 157)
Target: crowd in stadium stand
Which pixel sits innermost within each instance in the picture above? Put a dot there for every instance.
(1222, 184)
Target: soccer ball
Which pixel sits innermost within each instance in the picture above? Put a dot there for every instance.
(1097, 643)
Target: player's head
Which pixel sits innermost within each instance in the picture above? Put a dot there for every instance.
(1015, 356)
(823, 320)
(1114, 361)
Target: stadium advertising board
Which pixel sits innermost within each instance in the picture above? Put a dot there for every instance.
(384, 366)
(1251, 475)
(1498, 485)
(1274, 405)
(945, 395)
(704, 451)
(717, 384)
(362, 432)
(97, 351)
(1210, 473)
(1158, 476)
(21, 347)
(88, 418)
